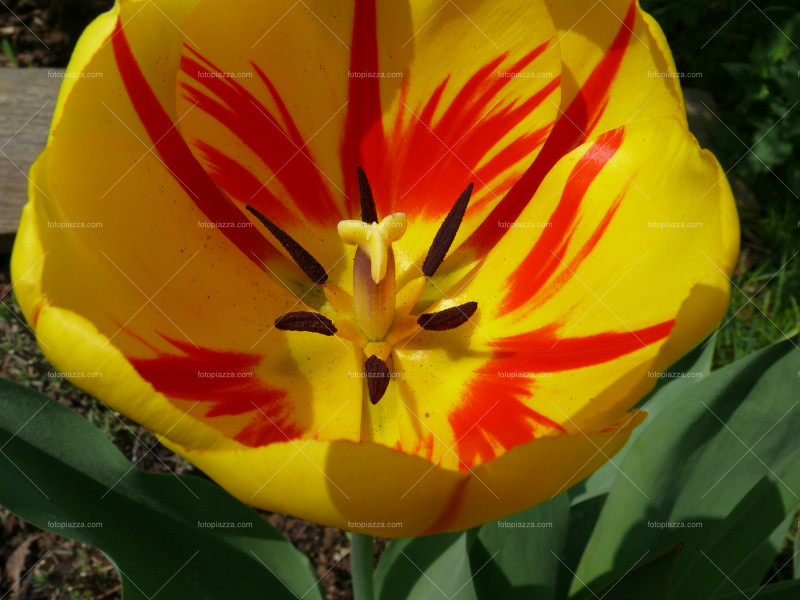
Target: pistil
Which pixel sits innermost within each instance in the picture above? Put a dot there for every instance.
(374, 272)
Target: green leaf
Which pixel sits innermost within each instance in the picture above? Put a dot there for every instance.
(723, 456)
(588, 498)
(650, 578)
(786, 590)
(518, 558)
(763, 557)
(159, 530)
(427, 568)
(725, 547)
(796, 557)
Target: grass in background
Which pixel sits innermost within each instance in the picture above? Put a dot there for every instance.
(8, 51)
(749, 55)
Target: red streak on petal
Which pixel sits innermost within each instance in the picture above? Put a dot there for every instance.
(268, 428)
(240, 183)
(364, 101)
(36, 312)
(423, 447)
(616, 426)
(570, 131)
(179, 160)
(279, 146)
(181, 376)
(544, 351)
(429, 157)
(547, 254)
(567, 273)
(494, 414)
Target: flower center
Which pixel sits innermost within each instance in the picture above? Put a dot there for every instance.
(373, 271)
(377, 315)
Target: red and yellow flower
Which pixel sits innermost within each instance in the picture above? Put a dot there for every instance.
(376, 262)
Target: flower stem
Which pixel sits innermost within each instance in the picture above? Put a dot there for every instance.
(361, 550)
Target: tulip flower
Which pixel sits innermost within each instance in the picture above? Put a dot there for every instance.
(395, 267)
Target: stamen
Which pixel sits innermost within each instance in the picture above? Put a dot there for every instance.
(305, 321)
(377, 373)
(449, 318)
(368, 212)
(304, 260)
(446, 234)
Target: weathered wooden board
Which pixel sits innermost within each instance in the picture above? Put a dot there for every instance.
(27, 100)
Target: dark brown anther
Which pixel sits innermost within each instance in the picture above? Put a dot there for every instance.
(304, 260)
(446, 234)
(450, 318)
(306, 321)
(377, 373)
(368, 212)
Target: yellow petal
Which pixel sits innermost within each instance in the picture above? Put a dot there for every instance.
(406, 496)
(90, 99)
(616, 69)
(357, 487)
(263, 112)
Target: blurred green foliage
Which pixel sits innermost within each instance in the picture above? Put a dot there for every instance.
(748, 52)
(749, 56)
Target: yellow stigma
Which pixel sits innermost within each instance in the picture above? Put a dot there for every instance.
(375, 240)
